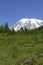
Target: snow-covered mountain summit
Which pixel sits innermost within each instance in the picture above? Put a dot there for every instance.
(28, 23)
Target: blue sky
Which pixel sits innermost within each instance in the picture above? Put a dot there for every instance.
(13, 10)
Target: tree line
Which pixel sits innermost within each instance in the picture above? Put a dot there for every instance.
(5, 29)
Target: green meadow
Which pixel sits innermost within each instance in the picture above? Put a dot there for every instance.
(21, 47)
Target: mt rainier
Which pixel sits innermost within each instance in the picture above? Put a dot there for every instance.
(28, 23)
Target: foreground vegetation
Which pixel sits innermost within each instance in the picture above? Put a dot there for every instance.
(21, 47)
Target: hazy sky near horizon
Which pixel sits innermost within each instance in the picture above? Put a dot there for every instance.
(13, 10)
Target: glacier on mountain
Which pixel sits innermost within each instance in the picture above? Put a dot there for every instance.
(28, 23)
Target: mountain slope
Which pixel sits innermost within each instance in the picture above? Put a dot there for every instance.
(28, 23)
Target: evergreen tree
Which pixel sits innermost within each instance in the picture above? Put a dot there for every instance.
(6, 25)
(13, 31)
(6, 28)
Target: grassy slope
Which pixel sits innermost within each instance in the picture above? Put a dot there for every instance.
(21, 49)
